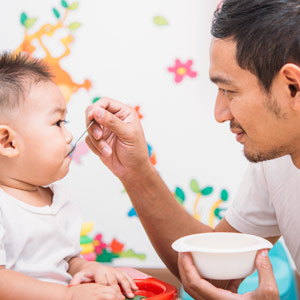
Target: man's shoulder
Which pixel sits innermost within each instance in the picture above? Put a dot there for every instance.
(283, 163)
(281, 174)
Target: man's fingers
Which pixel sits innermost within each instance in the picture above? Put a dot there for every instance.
(101, 148)
(96, 131)
(267, 284)
(264, 268)
(196, 286)
(233, 285)
(109, 104)
(110, 116)
(108, 120)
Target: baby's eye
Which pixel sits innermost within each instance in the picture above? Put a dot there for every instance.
(60, 122)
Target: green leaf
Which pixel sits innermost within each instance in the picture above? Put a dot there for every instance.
(23, 18)
(74, 26)
(179, 200)
(224, 195)
(160, 21)
(29, 22)
(195, 186)
(64, 3)
(96, 99)
(219, 213)
(73, 6)
(86, 240)
(179, 193)
(56, 13)
(206, 191)
(106, 256)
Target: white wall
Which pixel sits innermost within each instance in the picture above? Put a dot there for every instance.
(126, 56)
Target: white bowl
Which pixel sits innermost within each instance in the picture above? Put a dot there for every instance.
(222, 255)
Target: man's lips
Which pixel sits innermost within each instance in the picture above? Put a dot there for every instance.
(239, 133)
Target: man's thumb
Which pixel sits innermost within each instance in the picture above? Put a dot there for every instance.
(264, 267)
(267, 283)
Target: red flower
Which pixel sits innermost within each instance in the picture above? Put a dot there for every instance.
(116, 246)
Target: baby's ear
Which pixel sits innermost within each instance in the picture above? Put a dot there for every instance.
(8, 144)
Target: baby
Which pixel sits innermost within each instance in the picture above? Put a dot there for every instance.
(39, 223)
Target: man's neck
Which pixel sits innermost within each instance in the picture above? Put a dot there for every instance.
(296, 160)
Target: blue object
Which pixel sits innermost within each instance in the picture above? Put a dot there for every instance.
(184, 295)
(284, 276)
(132, 213)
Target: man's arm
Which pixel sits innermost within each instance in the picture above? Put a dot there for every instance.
(117, 138)
(162, 217)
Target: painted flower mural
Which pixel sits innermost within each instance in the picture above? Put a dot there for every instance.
(181, 70)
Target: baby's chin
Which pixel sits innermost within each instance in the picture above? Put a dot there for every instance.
(57, 177)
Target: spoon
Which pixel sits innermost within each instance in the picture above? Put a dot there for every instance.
(74, 146)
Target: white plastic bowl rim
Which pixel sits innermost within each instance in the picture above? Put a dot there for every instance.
(180, 245)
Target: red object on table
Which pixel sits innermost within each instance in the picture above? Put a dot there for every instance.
(155, 289)
(151, 287)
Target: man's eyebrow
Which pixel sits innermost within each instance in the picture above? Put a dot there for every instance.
(219, 79)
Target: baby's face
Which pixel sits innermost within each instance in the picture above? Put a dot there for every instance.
(43, 140)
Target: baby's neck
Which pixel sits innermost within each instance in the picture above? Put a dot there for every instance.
(33, 195)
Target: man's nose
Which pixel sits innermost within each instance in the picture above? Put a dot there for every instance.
(222, 110)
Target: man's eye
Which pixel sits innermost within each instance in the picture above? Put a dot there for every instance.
(225, 92)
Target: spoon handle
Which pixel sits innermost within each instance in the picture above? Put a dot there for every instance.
(84, 132)
(74, 146)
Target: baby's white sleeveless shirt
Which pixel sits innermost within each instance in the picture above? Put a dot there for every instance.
(39, 241)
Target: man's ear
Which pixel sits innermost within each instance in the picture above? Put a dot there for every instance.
(8, 144)
(291, 77)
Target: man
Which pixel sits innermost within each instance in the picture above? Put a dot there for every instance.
(255, 62)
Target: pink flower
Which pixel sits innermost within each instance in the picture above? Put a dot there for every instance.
(182, 69)
(98, 244)
(80, 150)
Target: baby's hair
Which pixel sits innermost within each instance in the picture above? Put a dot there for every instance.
(17, 71)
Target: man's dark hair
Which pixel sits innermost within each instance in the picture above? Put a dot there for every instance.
(16, 71)
(266, 32)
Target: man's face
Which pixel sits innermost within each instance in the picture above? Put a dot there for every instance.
(263, 122)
